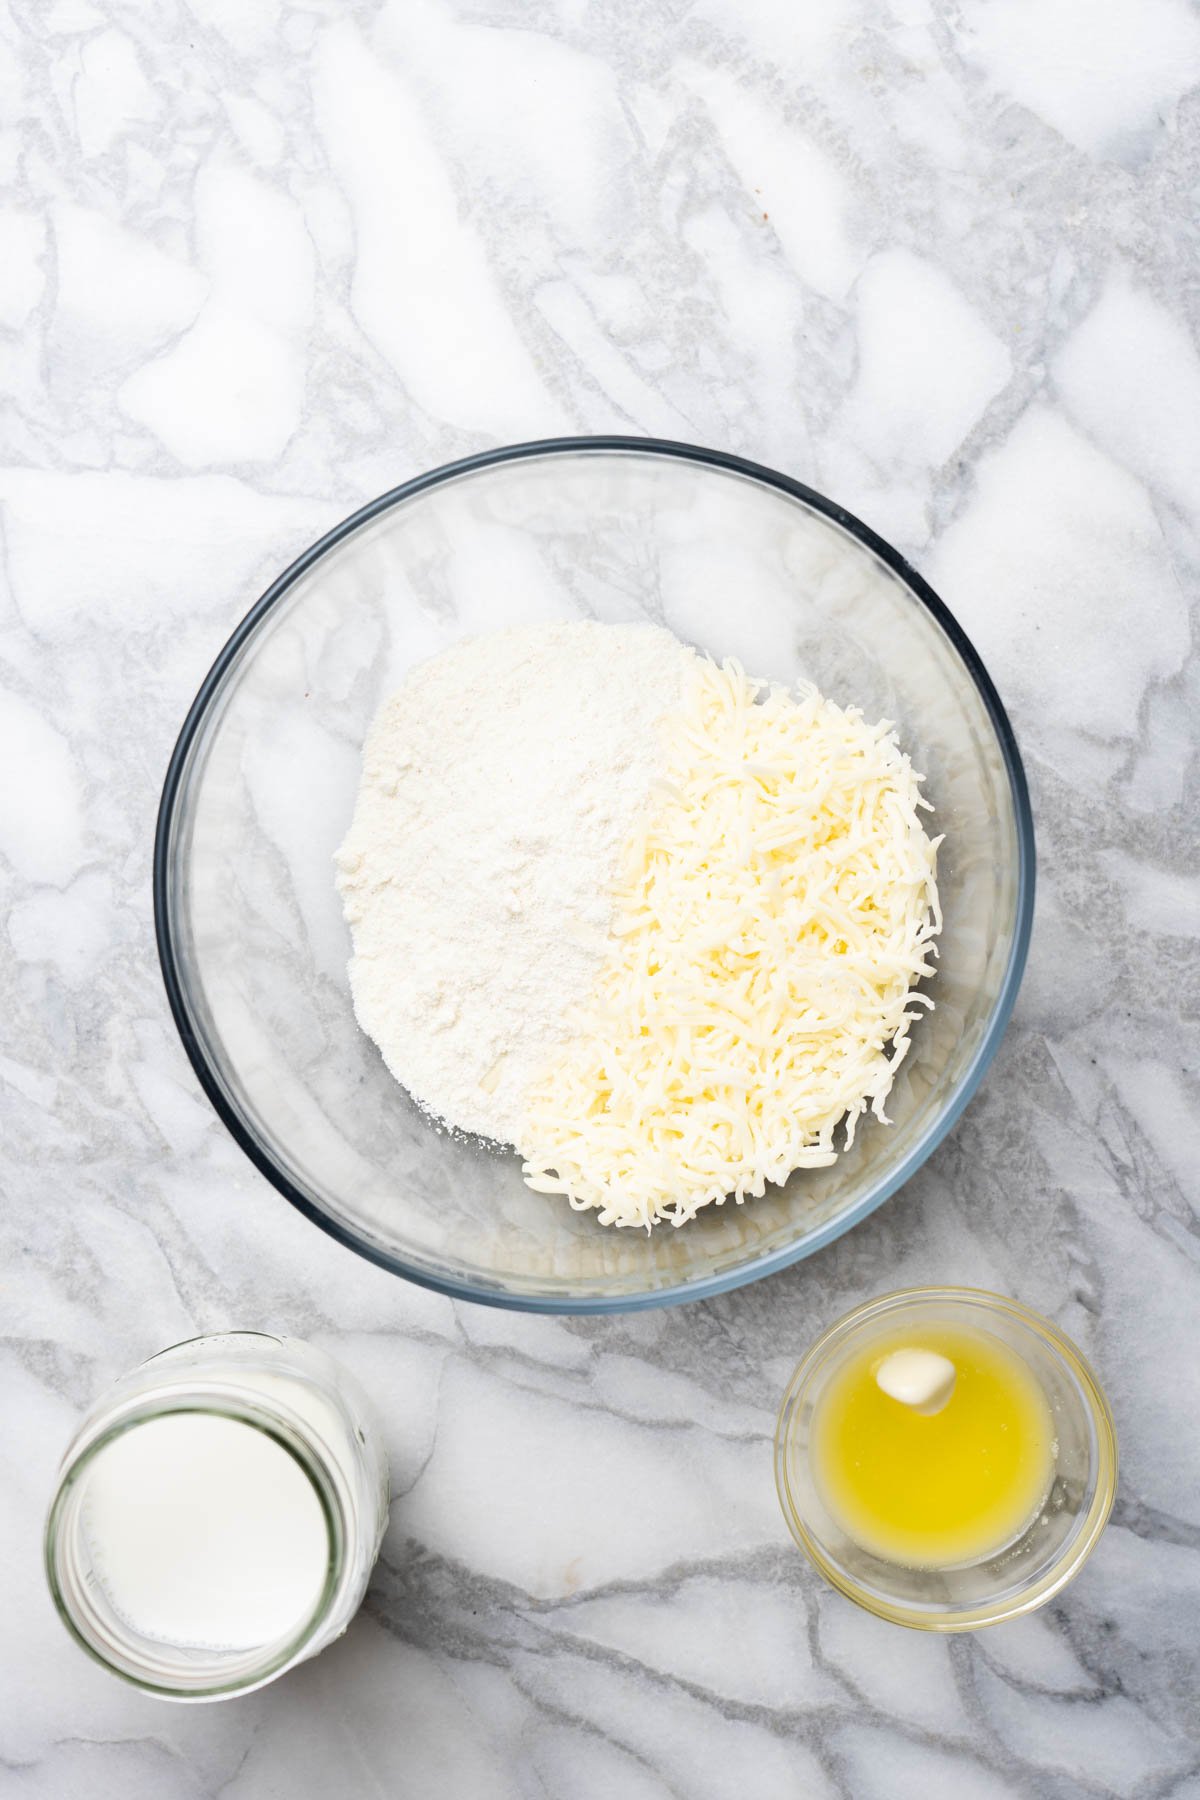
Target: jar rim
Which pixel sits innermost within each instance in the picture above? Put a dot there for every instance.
(277, 1421)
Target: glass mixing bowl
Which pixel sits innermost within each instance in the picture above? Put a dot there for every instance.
(736, 560)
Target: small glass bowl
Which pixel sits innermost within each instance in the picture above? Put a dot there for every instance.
(1054, 1545)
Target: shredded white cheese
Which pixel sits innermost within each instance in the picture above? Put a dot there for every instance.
(773, 918)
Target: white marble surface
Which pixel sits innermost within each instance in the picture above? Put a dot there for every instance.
(259, 262)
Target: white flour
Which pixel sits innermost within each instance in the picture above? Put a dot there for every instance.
(499, 784)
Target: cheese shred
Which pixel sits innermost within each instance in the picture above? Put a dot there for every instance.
(774, 915)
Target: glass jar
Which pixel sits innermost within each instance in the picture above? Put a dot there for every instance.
(317, 1446)
(1057, 1541)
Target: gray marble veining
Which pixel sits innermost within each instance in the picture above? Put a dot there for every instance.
(259, 262)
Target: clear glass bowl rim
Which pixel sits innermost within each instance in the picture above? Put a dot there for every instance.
(772, 1261)
(1074, 1555)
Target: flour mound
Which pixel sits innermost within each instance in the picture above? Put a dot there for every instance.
(499, 785)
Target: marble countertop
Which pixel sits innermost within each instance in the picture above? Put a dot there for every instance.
(259, 262)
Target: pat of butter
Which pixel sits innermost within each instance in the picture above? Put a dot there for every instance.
(918, 1378)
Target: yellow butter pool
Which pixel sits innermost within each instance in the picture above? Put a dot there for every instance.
(935, 1491)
